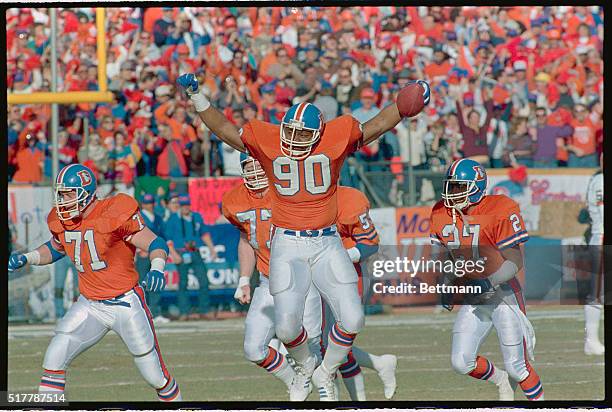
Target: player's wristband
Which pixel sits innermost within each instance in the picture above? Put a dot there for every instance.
(244, 281)
(200, 101)
(33, 257)
(158, 264)
(354, 254)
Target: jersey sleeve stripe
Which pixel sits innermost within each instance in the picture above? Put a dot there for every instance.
(368, 233)
(501, 242)
(520, 239)
(371, 237)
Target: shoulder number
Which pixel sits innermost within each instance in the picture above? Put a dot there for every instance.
(136, 217)
(288, 170)
(516, 222)
(365, 220)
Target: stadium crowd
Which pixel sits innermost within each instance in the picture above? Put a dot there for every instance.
(512, 85)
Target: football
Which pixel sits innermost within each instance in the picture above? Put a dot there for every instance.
(410, 100)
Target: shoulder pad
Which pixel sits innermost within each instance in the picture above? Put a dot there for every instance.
(117, 210)
(55, 225)
(351, 203)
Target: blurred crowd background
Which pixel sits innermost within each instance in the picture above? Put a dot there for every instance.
(511, 85)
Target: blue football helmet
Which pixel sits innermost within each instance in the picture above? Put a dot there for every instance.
(75, 189)
(252, 173)
(295, 143)
(465, 184)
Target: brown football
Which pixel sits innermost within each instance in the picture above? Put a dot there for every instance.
(410, 100)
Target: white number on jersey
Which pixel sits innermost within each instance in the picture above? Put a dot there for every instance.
(455, 243)
(76, 237)
(516, 223)
(365, 221)
(288, 170)
(251, 217)
(140, 224)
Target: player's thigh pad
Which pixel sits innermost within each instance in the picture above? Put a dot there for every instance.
(288, 259)
(259, 323)
(510, 336)
(78, 330)
(290, 279)
(134, 326)
(472, 325)
(336, 280)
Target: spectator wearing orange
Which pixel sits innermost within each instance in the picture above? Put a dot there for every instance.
(171, 161)
(30, 162)
(173, 115)
(440, 67)
(583, 143)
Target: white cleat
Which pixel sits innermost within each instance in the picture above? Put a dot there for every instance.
(160, 320)
(593, 347)
(506, 392)
(325, 384)
(387, 374)
(302, 385)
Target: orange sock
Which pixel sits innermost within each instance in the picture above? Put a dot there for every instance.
(484, 369)
(531, 386)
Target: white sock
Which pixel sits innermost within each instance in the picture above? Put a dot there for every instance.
(276, 344)
(592, 315)
(276, 364)
(355, 385)
(339, 345)
(365, 359)
(298, 348)
(496, 377)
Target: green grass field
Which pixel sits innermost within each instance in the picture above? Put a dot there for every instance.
(206, 359)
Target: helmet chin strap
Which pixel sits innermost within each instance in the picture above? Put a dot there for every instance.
(463, 218)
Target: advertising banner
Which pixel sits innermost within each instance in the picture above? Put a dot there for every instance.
(542, 187)
(206, 194)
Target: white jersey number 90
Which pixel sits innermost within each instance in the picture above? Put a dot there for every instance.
(288, 170)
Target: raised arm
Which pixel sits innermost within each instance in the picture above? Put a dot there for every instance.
(390, 116)
(212, 118)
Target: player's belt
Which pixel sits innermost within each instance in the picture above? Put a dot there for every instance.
(116, 300)
(328, 231)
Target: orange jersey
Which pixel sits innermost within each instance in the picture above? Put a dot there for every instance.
(495, 223)
(354, 223)
(98, 248)
(304, 191)
(251, 215)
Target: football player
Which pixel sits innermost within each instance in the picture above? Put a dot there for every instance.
(101, 236)
(360, 239)
(247, 207)
(302, 160)
(594, 305)
(474, 226)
